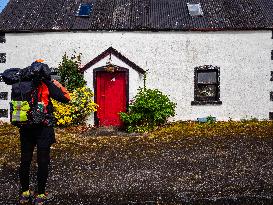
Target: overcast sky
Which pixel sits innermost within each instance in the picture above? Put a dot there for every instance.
(3, 3)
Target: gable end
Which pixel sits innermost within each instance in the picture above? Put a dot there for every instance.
(114, 52)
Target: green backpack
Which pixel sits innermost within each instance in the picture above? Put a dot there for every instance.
(20, 107)
(25, 110)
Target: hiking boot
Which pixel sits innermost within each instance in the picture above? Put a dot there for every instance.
(26, 197)
(40, 199)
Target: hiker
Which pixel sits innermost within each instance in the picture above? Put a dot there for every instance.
(38, 130)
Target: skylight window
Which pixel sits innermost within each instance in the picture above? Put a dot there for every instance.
(85, 9)
(195, 9)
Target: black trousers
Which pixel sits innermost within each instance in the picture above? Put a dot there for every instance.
(43, 159)
(29, 139)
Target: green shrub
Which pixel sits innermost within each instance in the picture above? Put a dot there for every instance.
(68, 70)
(81, 104)
(148, 109)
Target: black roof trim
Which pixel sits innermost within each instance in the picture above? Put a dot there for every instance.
(142, 30)
(114, 52)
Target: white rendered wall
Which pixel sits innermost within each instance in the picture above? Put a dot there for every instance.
(243, 57)
(4, 104)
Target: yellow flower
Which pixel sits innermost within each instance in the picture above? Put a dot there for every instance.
(77, 110)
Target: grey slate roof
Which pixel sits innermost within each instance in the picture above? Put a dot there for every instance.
(59, 15)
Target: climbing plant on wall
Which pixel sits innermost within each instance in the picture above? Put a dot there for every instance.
(81, 104)
(68, 69)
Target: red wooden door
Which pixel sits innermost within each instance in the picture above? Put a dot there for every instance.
(111, 97)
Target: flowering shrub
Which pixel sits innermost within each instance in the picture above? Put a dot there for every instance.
(77, 110)
(148, 109)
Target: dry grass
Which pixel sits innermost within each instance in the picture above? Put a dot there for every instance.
(178, 130)
(74, 141)
(9, 144)
(201, 161)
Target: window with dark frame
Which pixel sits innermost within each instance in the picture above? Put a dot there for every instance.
(3, 95)
(3, 113)
(2, 38)
(2, 57)
(206, 85)
(55, 74)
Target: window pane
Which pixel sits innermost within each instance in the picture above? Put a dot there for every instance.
(207, 92)
(4, 113)
(2, 57)
(3, 95)
(85, 9)
(195, 9)
(2, 38)
(207, 77)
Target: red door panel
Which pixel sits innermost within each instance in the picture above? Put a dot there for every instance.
(111, 97)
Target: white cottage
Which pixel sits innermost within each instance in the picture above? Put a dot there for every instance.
(212, 57)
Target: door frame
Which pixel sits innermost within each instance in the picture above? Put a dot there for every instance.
(103, 69)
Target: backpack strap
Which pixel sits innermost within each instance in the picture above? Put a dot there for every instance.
(57, 92)
(34, 97)
(63, 89)
(20, 88)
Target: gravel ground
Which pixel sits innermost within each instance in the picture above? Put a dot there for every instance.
(93, 169)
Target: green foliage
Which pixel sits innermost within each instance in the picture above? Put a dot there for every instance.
(68, 69)
(251, 118)
(149, 108)
(81, 104)
(210, 119)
